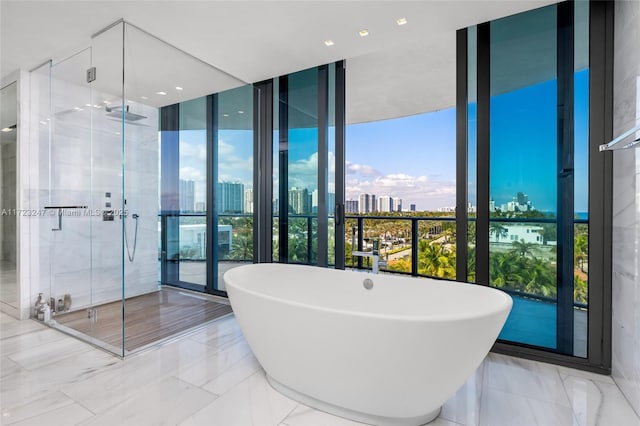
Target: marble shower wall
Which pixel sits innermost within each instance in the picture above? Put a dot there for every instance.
(626, 205)
(87, 258)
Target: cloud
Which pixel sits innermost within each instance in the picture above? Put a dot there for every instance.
(360, 169)
(193, 152)
(426, 193)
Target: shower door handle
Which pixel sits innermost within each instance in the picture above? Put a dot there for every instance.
(59, 228)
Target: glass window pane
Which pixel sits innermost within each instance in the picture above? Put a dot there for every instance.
(235, 196)
(523, 180)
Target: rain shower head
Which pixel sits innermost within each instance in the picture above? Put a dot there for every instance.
(116, 111)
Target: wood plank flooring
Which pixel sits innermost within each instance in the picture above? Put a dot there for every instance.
(148, 318)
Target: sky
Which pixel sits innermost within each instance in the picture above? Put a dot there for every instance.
(410, 157)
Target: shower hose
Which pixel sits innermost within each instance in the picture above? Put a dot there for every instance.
(131, 254)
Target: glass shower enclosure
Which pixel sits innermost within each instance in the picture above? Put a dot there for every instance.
(95, 178)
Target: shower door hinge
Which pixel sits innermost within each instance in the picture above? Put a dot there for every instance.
(92, 314)
(91, 74)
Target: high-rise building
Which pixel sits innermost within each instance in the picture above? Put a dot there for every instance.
(412, 207)
(230, 197)
(248, 200)
(187, 195)
(397, 204)
(330, 201)
(314, 201)
(385, 204)
(363, 203)
(351, 206)
(367, 203)
(522, 198)
(299, 201)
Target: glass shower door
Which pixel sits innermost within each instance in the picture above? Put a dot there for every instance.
(68, 207)
(85, 205)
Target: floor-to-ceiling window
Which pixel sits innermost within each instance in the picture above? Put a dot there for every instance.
(528, 145)
(234, 199)
(523, 184)
(206, 177)
(305, 153)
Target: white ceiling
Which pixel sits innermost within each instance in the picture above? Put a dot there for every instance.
(395, 71)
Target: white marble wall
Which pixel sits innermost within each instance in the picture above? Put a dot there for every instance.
(626, 205)
(85, 258)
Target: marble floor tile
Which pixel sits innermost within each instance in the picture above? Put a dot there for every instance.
(507, 409)
(525, 378)
(178, 399)
(22, 411)
(252, 402)
(68, 415)
(42, 355)
(11, 327)
(218, 331)
(113, 385)
(596, 403)
(27, 341)
(464, 407)
(210, 377)
(8, 367)
(306, 416)
(234, 375)
(209, 368)
(602, 378)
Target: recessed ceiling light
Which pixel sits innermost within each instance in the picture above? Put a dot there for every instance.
(240, 112)
(97, 106)
(363, 33)
(43, 122)
(178, 88)
(78, 108)
(117, 133)
(109, 103)
(401, 21)
(144, 97)
(87, 105)
(7, 129)
(225, 115)
(328, 42)
(161, 93)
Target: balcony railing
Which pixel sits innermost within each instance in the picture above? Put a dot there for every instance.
(411, 245)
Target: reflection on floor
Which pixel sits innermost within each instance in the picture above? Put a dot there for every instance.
(148, 318)
(8, 283)
(196, 271)
(210, 377)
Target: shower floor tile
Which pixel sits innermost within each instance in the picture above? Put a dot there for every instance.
(148, 318)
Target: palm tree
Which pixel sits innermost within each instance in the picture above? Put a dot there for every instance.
(499, 230)
(242, 248)
(471, 264)
(580, 251)
(435, 261)
(523, 249)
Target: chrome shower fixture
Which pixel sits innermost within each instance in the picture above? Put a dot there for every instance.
(116, 111)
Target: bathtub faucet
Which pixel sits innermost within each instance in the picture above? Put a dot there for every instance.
(374, 255)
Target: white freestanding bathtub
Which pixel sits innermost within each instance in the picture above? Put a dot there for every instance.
(389, 355)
